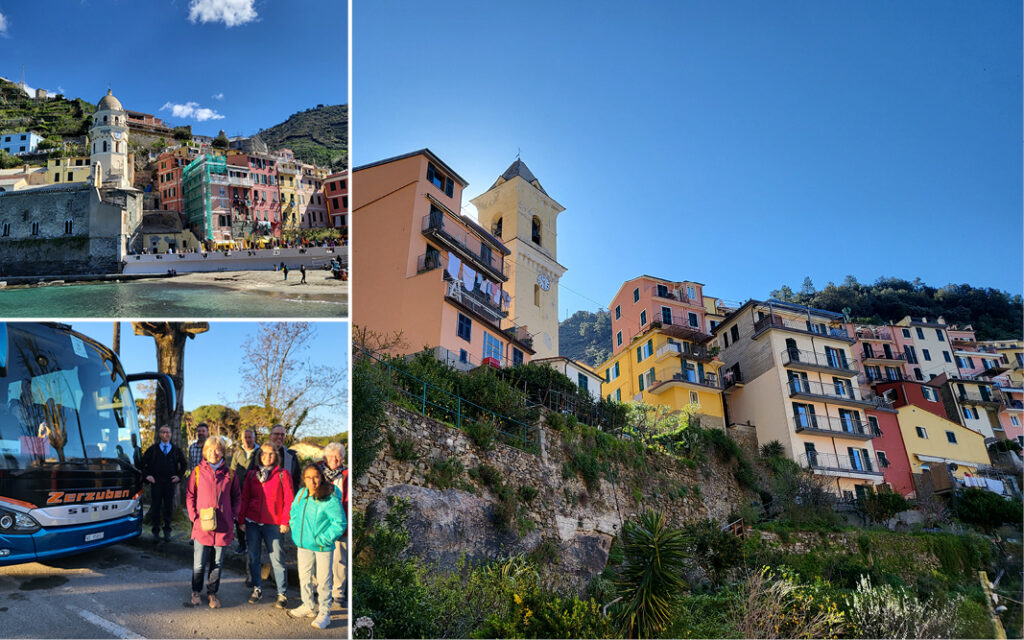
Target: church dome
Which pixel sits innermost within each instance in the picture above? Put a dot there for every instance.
(109, 103)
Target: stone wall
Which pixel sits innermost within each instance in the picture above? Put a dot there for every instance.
(95, 244)
(445, 525)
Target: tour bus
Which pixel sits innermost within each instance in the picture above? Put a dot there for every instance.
(69, 444)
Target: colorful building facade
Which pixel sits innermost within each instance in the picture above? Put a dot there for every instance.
(427, 272)
(336, 198)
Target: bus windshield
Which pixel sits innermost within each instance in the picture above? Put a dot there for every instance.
(64, 399)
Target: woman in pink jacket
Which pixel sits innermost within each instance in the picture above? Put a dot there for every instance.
(266, 505)
(211, 487)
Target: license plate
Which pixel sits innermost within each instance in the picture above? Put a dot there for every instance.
(89, 537)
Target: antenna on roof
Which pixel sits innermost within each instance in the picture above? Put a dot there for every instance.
(517, 153)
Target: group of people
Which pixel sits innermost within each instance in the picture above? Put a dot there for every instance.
(256, 496)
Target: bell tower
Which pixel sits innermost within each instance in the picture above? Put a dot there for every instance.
(519, 212)
(108, 148)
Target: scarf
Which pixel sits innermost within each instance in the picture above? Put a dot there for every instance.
(263, 473)
(215, 466)
(331, 474)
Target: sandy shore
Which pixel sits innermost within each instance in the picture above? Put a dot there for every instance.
(319, 284)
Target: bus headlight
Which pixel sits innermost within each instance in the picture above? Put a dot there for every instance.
(13, 522)
(137, 511)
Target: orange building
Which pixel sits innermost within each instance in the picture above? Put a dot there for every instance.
(427, 271)
(677, 306)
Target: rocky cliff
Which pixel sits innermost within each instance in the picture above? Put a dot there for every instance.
(559, 517)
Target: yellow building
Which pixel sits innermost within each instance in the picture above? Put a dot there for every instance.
(661, 368)
(287, 172)
(931, 439)
(68, 170)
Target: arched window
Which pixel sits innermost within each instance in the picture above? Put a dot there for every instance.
(67, 226)
(104, 146)
(104, 119)
(496, 230)
(35, 228)
(535, 230)
(536, 295)
(7, 229)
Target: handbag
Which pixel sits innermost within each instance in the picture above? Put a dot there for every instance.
(207, 515)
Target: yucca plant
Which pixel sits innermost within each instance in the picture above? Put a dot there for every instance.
(651, 582)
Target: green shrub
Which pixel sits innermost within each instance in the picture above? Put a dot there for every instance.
(985, 509)
(651, 581)
(586, 466)
(403, 448)
(773, 449)
(481, 431)
(369, 393)
(713, 549)
(487, 475)
(881, 506)
(555, 421)
(528, 493)
(445, 474)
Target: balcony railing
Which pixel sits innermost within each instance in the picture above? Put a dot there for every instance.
(707, 380)
(832, 462)
(1012, 404)
(841, 426)
(797, 357)
(674, 325)
(478, 303)
(428, 262)
(685, 349)
(668, 293)
(731, 377)
(882, 376)
(794, 325)
(841, 392)
(874, 334)
(887, 357)
(434, 224)
(971, 397)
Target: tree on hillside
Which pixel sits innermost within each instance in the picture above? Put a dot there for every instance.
(221, 141)
(808, 288)
(257, 418)
(277, 376)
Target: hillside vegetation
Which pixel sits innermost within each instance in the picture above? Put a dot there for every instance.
(50, 118)
(586, 336)
(318, 136)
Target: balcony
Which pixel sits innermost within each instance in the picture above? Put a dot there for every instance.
(814, 361)
(239, 181)
(883, 335)
(477, 303)
(840, 427)
(1013, 405)
(449, 234)
(284, 168)
(676, 326)
(833, 465)
(892, 359)
(428, 262)
(732, 378)
(776, 322)
(872, 377)
(842, 393)
(663, 378)
(696, 352)
(993, 399)
(666, 292)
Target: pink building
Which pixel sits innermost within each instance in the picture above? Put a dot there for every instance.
(646, 300)
(310, 194)
(264, 206)
(335, 193)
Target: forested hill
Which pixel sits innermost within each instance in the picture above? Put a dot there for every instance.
(55, 117)
(586, 337)
(994, 314)
(318, 136)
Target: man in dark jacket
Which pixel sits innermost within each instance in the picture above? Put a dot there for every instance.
(163, 466)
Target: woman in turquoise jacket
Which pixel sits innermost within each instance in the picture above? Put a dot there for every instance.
(316, 522)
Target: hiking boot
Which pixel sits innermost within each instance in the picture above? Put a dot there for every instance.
(322, 621)
(214, 601)
(256, 595)
(301, 611)
(195, 602)
(167, 536)
(282, 601)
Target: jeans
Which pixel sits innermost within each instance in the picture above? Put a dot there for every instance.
(163, 499)
(206, 558)
(324, 571)
(270, 534)
(339, 570)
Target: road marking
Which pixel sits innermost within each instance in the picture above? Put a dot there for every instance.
(106, 625)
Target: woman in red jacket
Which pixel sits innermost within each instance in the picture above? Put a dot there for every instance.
(266, 504)
(212, 499)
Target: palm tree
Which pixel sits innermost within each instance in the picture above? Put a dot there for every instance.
(652, 578)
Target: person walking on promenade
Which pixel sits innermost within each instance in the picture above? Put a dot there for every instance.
(266, 509)
(316, 522)
(241, 460)
(212, 499)
(163, 466)
(335, 472)
(302, 269)
(285, 269)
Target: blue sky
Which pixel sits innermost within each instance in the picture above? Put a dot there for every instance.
(278, 57)
(744, 145)
(213, 359)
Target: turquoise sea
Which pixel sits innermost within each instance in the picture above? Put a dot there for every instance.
(160, 299)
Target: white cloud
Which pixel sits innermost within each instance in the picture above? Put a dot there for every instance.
(192, 110)
(219, 96)
(3, 25)
(231, 12)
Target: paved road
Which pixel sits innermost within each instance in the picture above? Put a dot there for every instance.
(126, 592)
